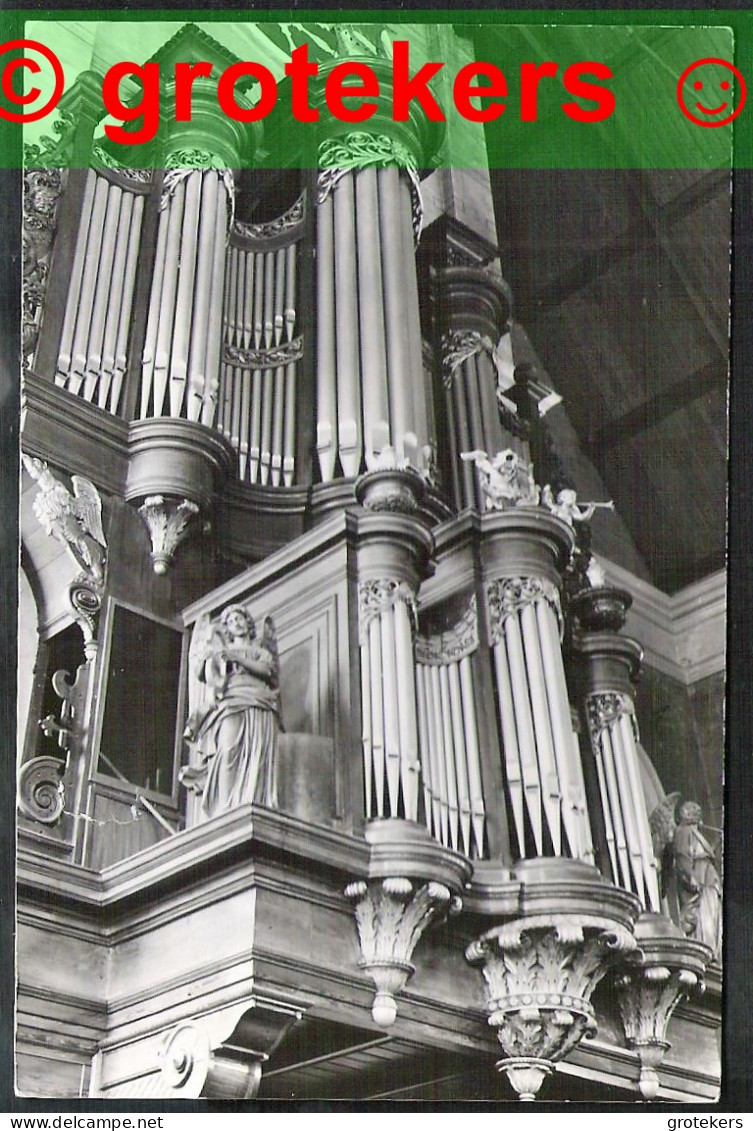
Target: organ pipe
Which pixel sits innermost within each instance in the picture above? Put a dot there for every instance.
(92, 357)
(370, 379)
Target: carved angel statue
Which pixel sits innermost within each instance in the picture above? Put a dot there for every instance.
(234, 712)
(699, 887)
(663, 823)
(506, 479)
(567, 507)
(74, 519)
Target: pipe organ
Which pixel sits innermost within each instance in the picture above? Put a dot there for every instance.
(544, 777)
(388, 697)
(180, 360)
(261, 349)
(93, 352)
(613, 734)
(370, 388)
(271, 423)
(477, 311)
(454, 807)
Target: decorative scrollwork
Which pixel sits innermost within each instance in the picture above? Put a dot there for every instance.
(271, 358)
(605, 709)
(41, 795)
(42, 188)
(294, 216)
(360, 150)
(53, 152)
(506, 596)
(102, 159)
(452, 645)
(378, 594)
(183, 162)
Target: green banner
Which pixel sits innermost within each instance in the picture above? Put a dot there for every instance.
(460, 89)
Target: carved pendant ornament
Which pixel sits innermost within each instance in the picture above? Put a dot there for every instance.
(647, 999)
(507, 596)
(360, 150)
(391, 916)
(540, 974)
(381, 593)
(167, 523)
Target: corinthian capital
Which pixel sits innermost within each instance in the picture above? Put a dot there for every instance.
(507, 596)
(381, 593)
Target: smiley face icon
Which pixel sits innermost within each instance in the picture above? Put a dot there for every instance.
(707, 91)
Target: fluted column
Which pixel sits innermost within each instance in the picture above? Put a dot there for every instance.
(181, 356)
(476, 310)
(606, 665)
(370, 379)
(523, 552)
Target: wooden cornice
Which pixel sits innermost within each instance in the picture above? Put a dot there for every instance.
(247, 832)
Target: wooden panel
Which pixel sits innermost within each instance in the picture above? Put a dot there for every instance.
(116, 834)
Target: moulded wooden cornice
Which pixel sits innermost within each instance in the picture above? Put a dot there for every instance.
(683, 635)
(171, 862)
(72, 434)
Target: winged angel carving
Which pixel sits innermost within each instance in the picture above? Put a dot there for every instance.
(234, 716)
(686, 856)
(74, 519)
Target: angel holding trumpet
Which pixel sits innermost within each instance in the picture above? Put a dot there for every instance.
(235, 712)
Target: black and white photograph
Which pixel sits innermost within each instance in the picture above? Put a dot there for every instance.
(372, 601)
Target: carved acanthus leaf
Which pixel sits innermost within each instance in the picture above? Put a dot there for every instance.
(507, 596)
(648, 996)
(167, 522)
(381, 593)
(360, 150)
(458, 347)
(540, 973)
(605, 709)
(391, 916)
